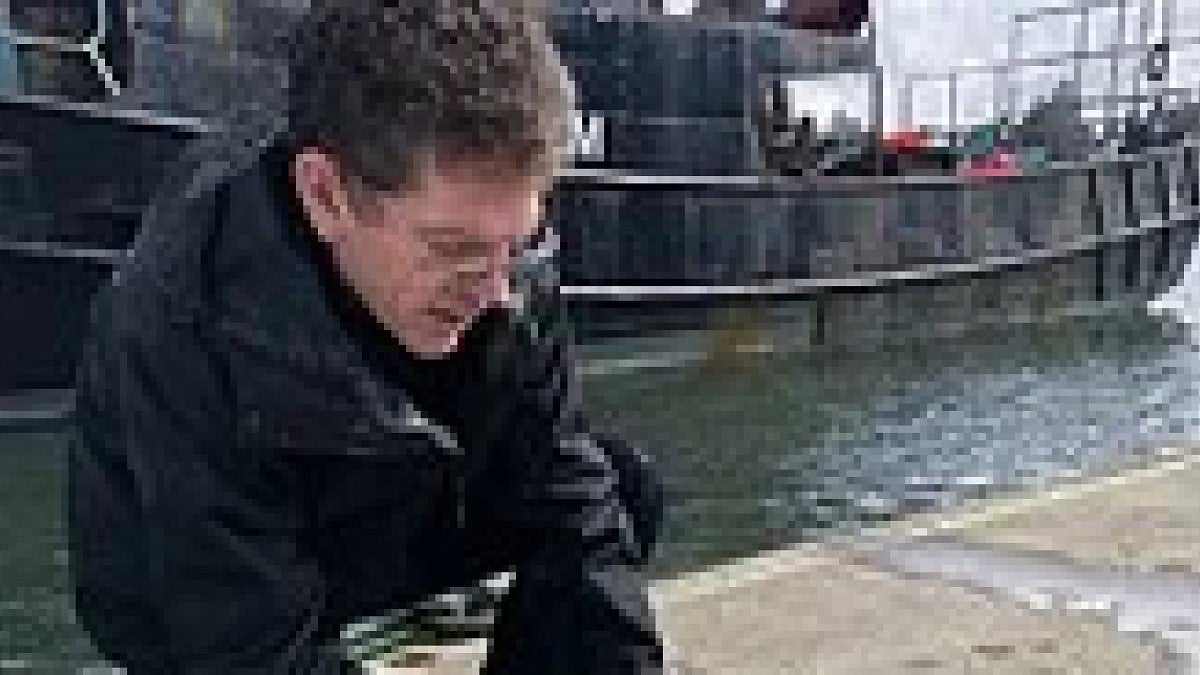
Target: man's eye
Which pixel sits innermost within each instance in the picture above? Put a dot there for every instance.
(458, 250)
(445, 249)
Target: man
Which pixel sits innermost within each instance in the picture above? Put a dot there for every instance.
(313, 394)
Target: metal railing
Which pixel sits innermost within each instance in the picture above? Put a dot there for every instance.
(92, 46)
(1075, 58)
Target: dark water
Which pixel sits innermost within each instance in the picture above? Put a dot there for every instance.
(794, 447)
(772, 448)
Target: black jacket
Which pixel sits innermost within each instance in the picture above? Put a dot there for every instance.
(224, 348)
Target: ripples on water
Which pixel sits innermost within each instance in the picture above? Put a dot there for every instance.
(790, 447)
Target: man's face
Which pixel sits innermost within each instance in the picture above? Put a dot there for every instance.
(430, 260)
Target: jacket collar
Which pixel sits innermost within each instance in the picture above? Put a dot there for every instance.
(281, 296)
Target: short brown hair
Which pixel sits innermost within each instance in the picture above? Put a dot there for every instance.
(384, 83)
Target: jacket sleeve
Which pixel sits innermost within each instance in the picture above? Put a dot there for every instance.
(580, 598)
(178, 566)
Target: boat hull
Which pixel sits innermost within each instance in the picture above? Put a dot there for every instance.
(862, 313)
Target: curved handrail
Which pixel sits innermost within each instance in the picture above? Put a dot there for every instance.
(613, 179)
(107, 110)
(628, 293)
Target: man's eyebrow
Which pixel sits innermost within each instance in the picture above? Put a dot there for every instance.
(440, 227)
(467, 235)
(446, 233)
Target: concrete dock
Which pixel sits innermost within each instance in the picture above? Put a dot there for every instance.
(1088, 574)
(1142, 517)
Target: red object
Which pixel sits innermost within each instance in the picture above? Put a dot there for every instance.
(994, 165)
(835, 16)
(906, 141)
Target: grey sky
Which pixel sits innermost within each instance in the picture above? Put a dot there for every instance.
(941, 35)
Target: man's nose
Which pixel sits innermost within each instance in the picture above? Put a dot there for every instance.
(486, 274)
(473, 269)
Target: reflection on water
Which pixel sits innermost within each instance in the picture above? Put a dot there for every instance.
(791, 446)
(773, 449)
(36, 631)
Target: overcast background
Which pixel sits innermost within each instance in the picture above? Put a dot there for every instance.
(940, 35)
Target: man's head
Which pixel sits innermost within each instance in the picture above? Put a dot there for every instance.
(426, 135)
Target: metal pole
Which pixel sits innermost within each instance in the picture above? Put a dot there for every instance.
(1144, 35)
(1081, 39)
(1168, 18)
(877, 95)
(749, 98)
(906, 100)
(1013, 45)
(878, 88)
(1115, 62)
(877, 110)
(953, 95)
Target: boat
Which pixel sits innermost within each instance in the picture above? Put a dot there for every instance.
(704, 206)
(697, 203)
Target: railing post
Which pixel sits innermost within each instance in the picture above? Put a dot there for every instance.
(1191, 179)
(906, 99)
(1132, 212)
(1093, 192)
(1081, 45)
(953, 94)
(1162, 187)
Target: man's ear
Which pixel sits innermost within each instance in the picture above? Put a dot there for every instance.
(318, 182)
